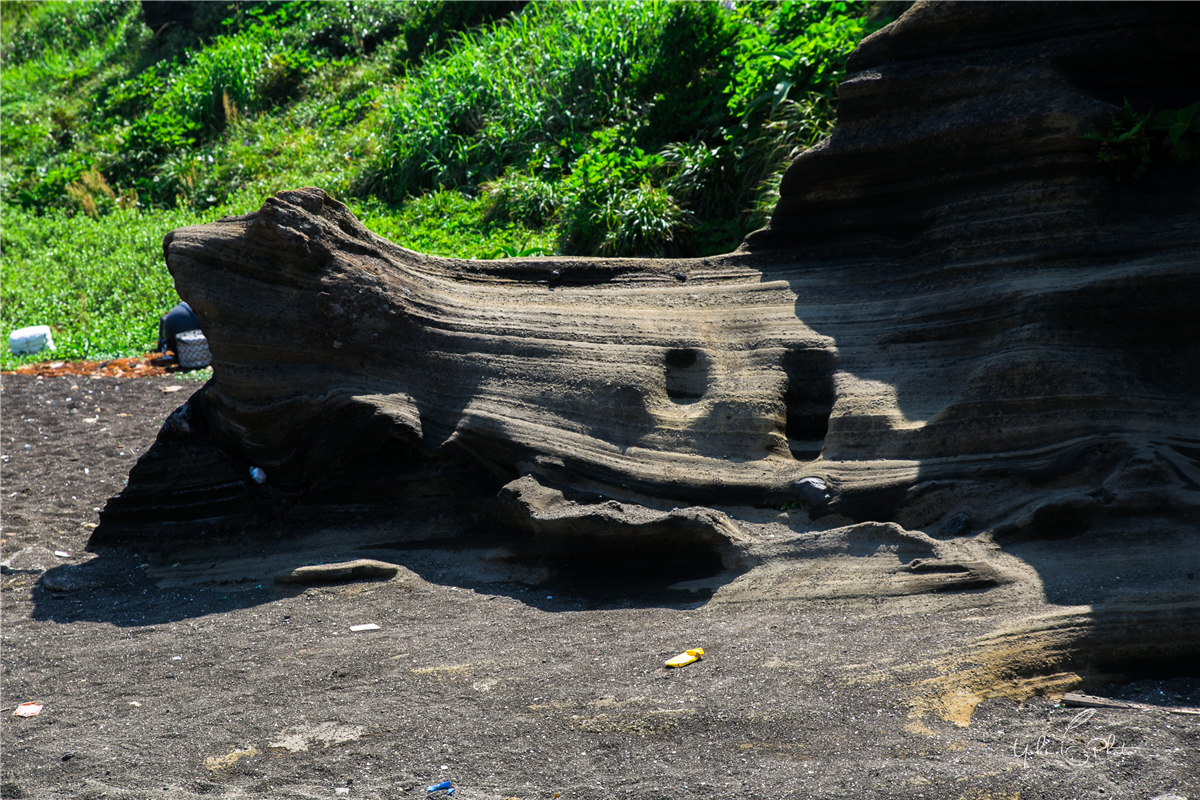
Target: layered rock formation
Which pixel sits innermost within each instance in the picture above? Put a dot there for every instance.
(964, 354)
(959, 340)
(954, 309)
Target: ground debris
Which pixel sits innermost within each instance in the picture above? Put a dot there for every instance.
(1080, 700)
(149, 365)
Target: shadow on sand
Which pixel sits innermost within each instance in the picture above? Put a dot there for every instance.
(127, 589)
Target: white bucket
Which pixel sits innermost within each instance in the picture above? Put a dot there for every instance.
(192, 350)
(33, 339)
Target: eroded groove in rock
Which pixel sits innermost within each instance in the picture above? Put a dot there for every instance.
(686, 373)
(620, 543)
(954, 310)
(809, 398)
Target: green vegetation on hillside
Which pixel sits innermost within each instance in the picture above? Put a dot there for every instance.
(477, 130)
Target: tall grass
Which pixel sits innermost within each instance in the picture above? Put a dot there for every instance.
(519, 91)
(589, 115)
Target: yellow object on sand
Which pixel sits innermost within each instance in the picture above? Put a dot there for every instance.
(683, 659)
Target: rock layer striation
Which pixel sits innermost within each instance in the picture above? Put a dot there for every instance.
(964, 354)
(954, 310)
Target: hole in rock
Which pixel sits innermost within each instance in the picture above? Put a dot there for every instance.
(1051, 522)
(687, 374)
(599, 561)
(599, 570)
(809, 400)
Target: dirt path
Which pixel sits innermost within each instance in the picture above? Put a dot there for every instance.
(166, 684)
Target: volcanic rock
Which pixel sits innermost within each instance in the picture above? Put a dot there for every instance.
(957, 320)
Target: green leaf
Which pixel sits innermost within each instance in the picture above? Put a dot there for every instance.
(1186, 150)
(780, 94)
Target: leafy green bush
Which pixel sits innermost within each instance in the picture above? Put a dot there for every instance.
(647, 221)
(611, 195)
(1181, 131)
(1127, 145)
(1125, 142)
(521, 197)
(792, 45)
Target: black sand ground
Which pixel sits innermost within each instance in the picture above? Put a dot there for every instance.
(180, 687)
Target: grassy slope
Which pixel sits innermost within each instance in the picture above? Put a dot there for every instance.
(472, 130)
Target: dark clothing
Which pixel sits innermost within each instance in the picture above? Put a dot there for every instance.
(179, 319)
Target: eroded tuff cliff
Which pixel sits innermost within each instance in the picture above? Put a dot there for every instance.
(955, 310)
(962, 362)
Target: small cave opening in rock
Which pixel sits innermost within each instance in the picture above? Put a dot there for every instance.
(599, 570)
(809, 400)
(595, 561)
(687, 374)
